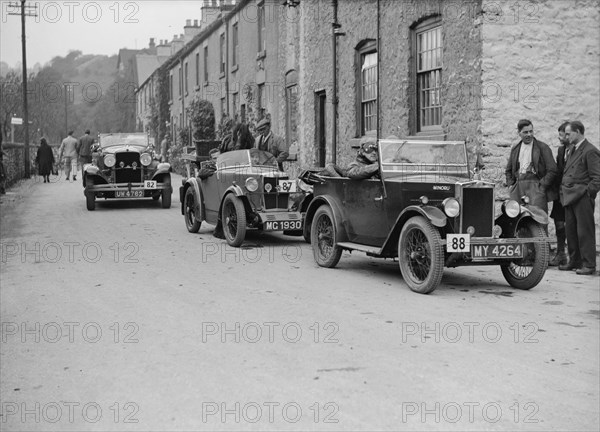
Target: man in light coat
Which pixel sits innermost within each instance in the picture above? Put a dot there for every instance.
(68, 150)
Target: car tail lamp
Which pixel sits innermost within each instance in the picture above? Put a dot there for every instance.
(511, 208)
(251, 184)
(145, 159)
(110, 160)
(451, 207)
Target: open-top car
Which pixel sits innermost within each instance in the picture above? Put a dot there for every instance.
(124, 166)
(243, 190)
(427, 211)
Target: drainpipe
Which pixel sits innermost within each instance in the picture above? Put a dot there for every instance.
(334, 97)
(226, 23)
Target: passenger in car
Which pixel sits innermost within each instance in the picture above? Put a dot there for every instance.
(363, 167)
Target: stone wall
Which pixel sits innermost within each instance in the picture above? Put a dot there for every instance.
(541, 61)
(13, 160)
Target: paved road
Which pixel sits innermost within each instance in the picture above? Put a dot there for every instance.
(119, 319)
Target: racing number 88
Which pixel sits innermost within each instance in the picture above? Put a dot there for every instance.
(458, 243)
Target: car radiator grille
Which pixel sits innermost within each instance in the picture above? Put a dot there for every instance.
(478, 211)
(127, 174)
(273, 199)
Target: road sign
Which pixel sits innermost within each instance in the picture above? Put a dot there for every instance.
(16, 121)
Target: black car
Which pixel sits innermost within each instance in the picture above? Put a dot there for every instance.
(427, 211)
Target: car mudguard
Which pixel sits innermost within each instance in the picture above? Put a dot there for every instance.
(338, 216)
(432, 214)
(509, 225)
(195, 185)
(91, 170)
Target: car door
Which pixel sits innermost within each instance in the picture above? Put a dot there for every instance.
(363, 202)
(210, 195)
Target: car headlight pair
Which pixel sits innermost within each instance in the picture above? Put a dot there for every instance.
(110, 160)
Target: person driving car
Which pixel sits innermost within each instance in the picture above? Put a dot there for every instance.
(363, 167)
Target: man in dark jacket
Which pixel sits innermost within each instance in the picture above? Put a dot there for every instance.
(85, 148)
(558, 211)
(579, 187)
(270, 142)
(531, 169)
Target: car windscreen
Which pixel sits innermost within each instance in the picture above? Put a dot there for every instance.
(252, 157)
(423, 156)
(120, 139)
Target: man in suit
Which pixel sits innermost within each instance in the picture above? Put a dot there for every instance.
(85, 148)
(270, 142)
(579, 187)
(558, 211)
(531, 169)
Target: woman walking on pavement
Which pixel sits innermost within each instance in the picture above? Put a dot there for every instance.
(44, 160)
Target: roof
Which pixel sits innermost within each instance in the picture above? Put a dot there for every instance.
(146, 64)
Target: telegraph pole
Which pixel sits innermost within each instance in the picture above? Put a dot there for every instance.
(25, 11)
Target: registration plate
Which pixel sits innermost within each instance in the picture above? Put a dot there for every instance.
(287, 186)
(149, 184)
(497, 251)
(129, 194)
(282, 225)
(458, 242)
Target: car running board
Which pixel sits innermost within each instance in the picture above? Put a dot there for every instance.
(363, 248)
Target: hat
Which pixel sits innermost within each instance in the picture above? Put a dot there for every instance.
(368, 144)
(264, 122)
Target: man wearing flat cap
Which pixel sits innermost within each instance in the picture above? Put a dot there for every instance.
(270, 142)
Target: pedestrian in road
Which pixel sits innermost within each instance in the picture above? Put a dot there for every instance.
(268, 141)
(531, 169)
(579, 186)
(85, 148)
(44, 160)
(68, 150)
(558, 211)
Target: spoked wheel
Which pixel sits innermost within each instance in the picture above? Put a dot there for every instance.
(421, 255)
(322, 238)
(527, 272)
(192, 222)
(233, 216)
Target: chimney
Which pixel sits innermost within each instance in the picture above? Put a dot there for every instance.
(210, 12)
(176, 44)
(163, 49)
(189, 31)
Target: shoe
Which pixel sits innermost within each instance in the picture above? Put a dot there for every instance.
(559, 259)
(67, 178)
(74, 178)
(586, 271)
(219, 234)
(570, 266)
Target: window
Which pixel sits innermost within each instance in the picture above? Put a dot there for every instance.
(197, 68)
(243, 113)
(222, 52)
(366, 60)
(186, 78)
(235, 102)
(205, 64)
(261, 27)
(180, 80)
(171, 86)
(429, 75)
(223, 106)
(291, 107)
(234, 43)
(261, 99)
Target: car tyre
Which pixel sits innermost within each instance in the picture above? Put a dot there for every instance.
(322, 237)
(90, 196)
(233, 215)
(192, 223)
(166, 193)
(527, 272)
(421, 255)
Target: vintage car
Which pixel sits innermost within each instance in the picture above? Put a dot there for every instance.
(245, 190)
(427, 212)
(124, 166)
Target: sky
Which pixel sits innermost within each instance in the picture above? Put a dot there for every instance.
(92, 27)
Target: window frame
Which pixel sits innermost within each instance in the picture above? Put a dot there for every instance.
(234, 43)
(426, 25)
(364, 48)
(261, 27)
(206, 64)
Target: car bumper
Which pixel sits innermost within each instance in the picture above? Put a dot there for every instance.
(132, 190)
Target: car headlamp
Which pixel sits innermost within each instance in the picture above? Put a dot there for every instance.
(145, 159)
(110, 160)
(451, 207)
(251, 184)
(512, 208)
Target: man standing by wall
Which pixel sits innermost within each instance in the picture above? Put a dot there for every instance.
(531, 169)
(270, 142)
(68, 149)
(558, 211)
(579, 187)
